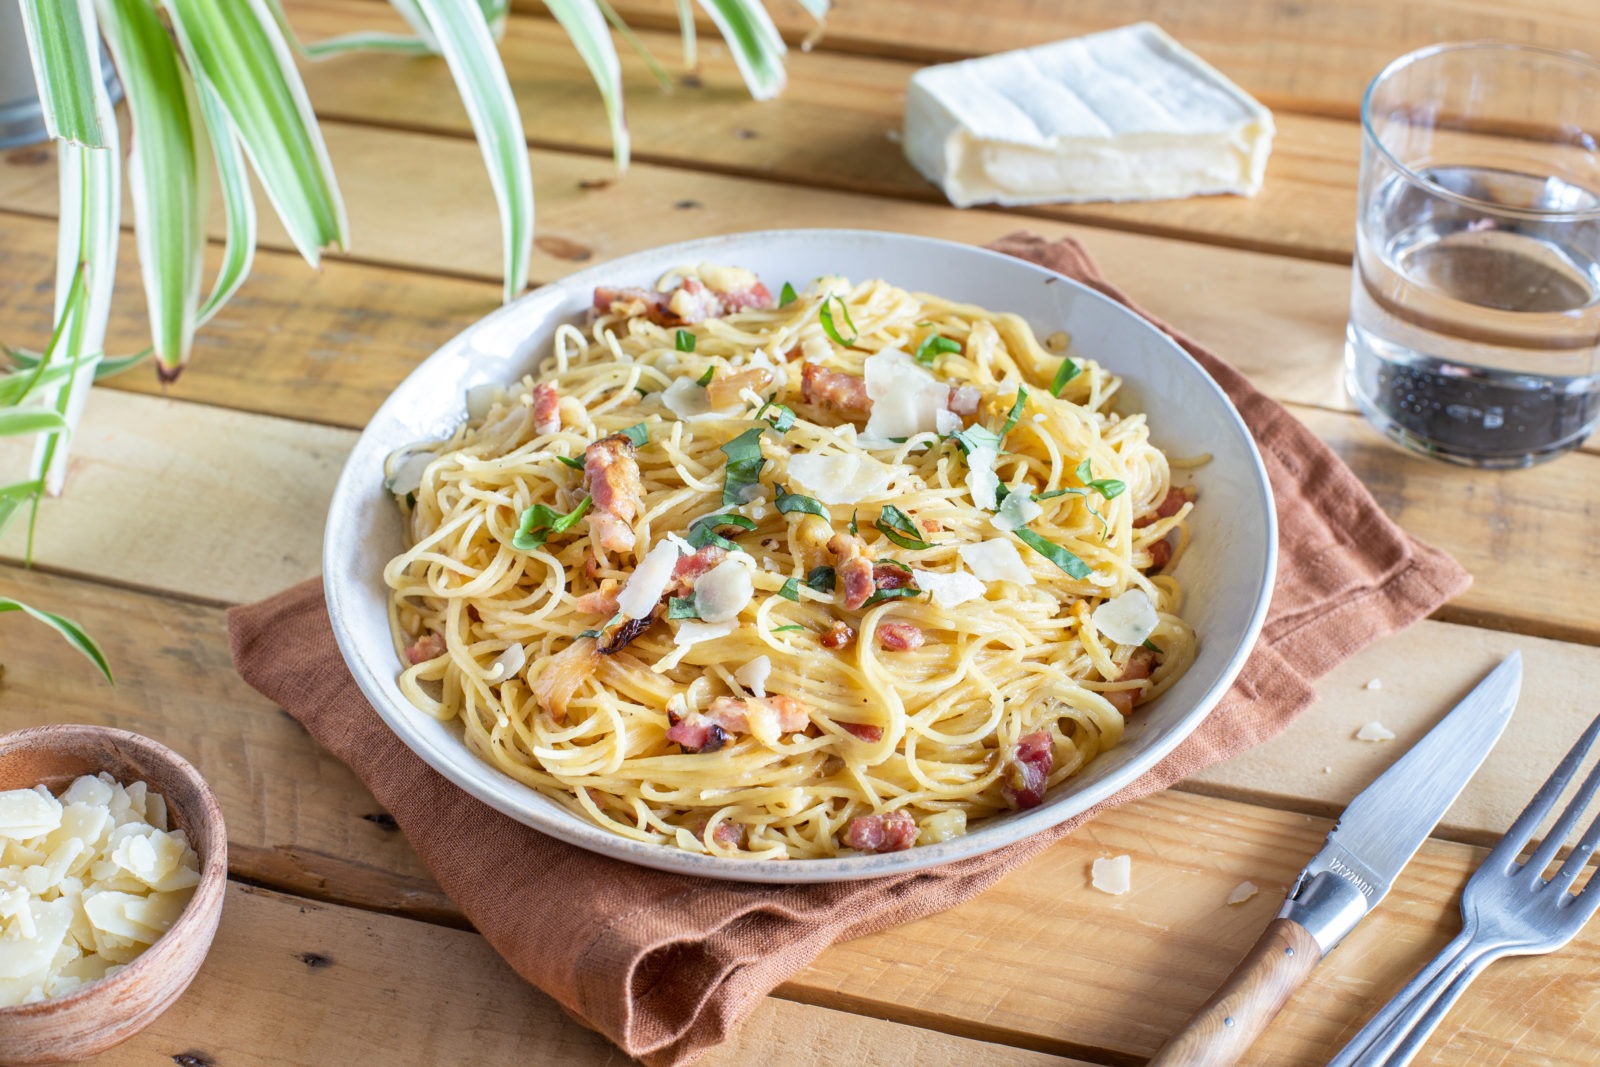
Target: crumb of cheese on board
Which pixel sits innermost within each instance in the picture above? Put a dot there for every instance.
(1112, 875)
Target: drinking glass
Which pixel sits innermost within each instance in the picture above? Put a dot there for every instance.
(1474, 329)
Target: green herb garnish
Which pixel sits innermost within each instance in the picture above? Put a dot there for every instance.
(608, 624)
(1068, 370)
(786, 629)
(705, 379)
(825, 314)
(821, 579)
(1068, 562)
(933, 346)
(788, 502)
(975, 437)
(1110, 488)
(703, 531)
(683, 607)
(744, 466)
(782, 417)
(1016, 411)
(638, 434)
(683, 340)
(900, 528)
(786, 296)
(540, 521)
(891, 594)
(854, 529)
(1152, 646)
(791, 590)
(575, 464)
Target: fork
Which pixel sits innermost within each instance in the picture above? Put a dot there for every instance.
(1507, 909)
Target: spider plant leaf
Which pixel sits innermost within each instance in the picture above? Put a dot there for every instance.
(818, 9)
(494, 13)
(168, 188)
(237, 199)
(71, 631)
(66, 68)
(104, 367)
(240, 51)
(14, 422)
(14, 496)
(757, 48)
(625, 31)
(15, 387)
(468, 48)
(585, 24)
(691, 57)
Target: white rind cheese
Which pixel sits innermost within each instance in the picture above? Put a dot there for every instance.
(1128, 114)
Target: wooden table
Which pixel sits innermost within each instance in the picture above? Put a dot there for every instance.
(336, 946)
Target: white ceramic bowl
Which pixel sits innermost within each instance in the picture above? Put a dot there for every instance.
(1227, 572)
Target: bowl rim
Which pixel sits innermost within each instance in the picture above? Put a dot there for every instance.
(497, 789)
(162, 952)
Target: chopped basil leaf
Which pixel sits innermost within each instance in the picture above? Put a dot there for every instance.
(821, 579)
(1068, 370)
(703, 531)
(1152, 646)
(540, 521)
(788, 502)
(899, 440)
(854, 529)
(575, 464)
(683, 607)
(782, 417)
(1110, 488)
(786, 629)
(1068, 562)
(786, 296)
(744, 466)
(705, 379)
(825, 314)
(891, 594)
(900, 528)
(1016, 411)
(411, 499)
(683, 341)
(1085, 470)
(603, 626)
(791, 590)
(933, 346)
(1052, 494)
(641, 390)
(638, 434)
(1001, 491)
(976, 436)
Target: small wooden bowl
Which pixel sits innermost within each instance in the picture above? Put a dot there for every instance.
(100, 1014)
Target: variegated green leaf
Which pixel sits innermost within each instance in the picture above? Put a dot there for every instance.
(164, 176)
(468, 48)
(14, 422)
(585, 24)
(71, 631)
(691, 57)
(66, 68)
(14, 496)
(756, 45)
(237, 198)
(239, 49)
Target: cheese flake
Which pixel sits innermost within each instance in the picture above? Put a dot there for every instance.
(1127, 619)
(27, 813)
(1241, 893)
(996, 561)
(1016, 511)
(846, 479)
(906, 399)
(753, 675)
(648, 581)
(1374, 731)
(1112, 875)
(724, 591)
(949, 590)
(982, 482)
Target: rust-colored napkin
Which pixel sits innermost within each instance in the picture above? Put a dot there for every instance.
(666, 965)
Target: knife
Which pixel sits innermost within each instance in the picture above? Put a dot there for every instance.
(1375, 837)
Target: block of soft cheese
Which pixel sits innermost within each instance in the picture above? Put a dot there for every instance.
(1128, 114)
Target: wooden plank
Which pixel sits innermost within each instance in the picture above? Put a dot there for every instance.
(836, 126)
(1309, 57)
(290, 981)
(151, 475)
(992, 968)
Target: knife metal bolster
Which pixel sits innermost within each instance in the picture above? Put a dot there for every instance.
(1327, 905)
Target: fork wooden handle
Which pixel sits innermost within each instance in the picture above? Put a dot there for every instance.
(1228, 1023)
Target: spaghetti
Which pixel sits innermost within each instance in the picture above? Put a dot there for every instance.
(784, 578)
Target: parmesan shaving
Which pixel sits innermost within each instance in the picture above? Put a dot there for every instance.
(1241, 893)
(996, 561)
(87, 883)
(1374, 731)
(840, 479)
(1112, 875)
(753, 675)
(648, 581)
(906, 399)
(1127, 619)
(1018, 509)
(949, 590)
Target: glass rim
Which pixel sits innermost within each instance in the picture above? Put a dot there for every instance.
(1432, 51)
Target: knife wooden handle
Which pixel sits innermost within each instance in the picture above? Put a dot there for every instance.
(1228, 1024)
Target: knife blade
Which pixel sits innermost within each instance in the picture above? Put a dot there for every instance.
(1377, 835)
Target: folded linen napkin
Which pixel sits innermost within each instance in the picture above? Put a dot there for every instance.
(666, 965)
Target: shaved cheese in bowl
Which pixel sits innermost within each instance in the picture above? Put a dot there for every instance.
(648, 581)
(1016, 511)
(87, 883)
(996, 561)
(723, 591)
(753, 675)
(906, 398)
(840, 479)
(949, 590)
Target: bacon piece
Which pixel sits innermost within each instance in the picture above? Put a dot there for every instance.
(837, 636)
(709, 731)
(1027, 772)
(696, 733)
(630, 302)
(602, 601)
(862, 730)
(689, 568)
(611, 475)
(546, 408)
(1175, 499)
(854, 569)
(964, 399)
(755, 297)
(1140, 664)
(728, 833)
(725, 391)
(894, 832)
(561, 675)
(429, 646)
(1160, 555)
(691, 302)
(844, 393)
(890, 576)
(900, 636)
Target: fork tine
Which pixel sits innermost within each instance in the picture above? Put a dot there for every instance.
(1576, 862)
(1504, 854)
(1562, 829)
